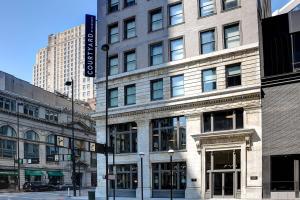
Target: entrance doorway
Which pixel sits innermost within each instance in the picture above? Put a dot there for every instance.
(223, 171)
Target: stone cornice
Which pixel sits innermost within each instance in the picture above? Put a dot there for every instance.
(183, 106)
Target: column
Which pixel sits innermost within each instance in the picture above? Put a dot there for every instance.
(144, 146)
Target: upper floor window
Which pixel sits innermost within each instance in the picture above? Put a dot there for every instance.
(51, 149)
(176, 49)
(31, 147)
(129, 28)
(7, 142)
(130, 94)
(208, 43)
(113, 65)
(168, 133)
(233, 75)
(207, 7)
(126, 178)
(156, 54)
(175, 14)
(223, 120)
(51, 115)
(229, 4)
(177, 86)
(157, 90)
(123, 137)
(7, 104)
(113, 98)
(156, 20)
(130, 61)
(209, 80)
(231, 36)
(128, 3)
(31, 110)
(113, 6)
(113, 33)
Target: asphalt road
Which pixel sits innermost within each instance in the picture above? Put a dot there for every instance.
(55, 195)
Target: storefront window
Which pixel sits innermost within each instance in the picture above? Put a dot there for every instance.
(126, 176)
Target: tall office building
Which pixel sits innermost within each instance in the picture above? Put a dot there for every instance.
(184, 75)
(63, 60)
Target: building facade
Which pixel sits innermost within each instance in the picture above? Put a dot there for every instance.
(183, 75)
(62, 60)
(280, 104)
(38, 123)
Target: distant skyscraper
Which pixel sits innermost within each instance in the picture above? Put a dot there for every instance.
(63, 60)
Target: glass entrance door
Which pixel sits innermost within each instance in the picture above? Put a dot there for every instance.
(223, 184)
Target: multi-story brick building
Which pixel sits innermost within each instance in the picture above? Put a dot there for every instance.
(183, 75)
(33, 120)
(62, 60)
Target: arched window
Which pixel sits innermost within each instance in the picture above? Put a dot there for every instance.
(7, 145)
(51, 149)
(31, 147)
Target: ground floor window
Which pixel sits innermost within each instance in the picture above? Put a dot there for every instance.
(29, 178)
(126, 176)
(8, 179)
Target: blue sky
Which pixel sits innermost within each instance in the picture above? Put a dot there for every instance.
(26, 24)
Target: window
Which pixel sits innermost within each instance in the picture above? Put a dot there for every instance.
(128, 3)
(113, 33)
(296, 49)
(126, 177)
(161, 175)
(233, 75)
(51, 149)
(31, 147)
(207, 7)
(209, 80)
(175, 14)
(31, 110)
(176, 49)
(229, 4)
(7, 104)
(156, 20)
(123, 137)
(7, 142)
(130, 61)
(93, 159)
(113, 98)
(113, 6)
(157, 90)
(208, 43)
(113, 65)
(168, 133)
(177, 85)
(231, 36)
(130, 95)
(51, 115)
(223, 120)
(129, 28)
(156, 54)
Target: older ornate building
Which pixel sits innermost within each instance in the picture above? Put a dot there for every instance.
(39, 124)
(184, 75)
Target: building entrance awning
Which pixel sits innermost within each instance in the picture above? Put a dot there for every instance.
(8, 173)
(34, 173)
(55, 173)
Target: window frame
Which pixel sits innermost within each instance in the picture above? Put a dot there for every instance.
(214, 30)
(132, 51)
(151, 53)
(227, 75)
(199, 8)
(172, 85)
(225, 43)
(126, 5)
(109, 6)
(110, 66)
(132, 173)
(153, 12)
(171, 51)
(126, 30)
(152, 82)
(110, 99)
(225, 10)
(126, 94)
(109, 28)
(203, 83)
(169, 13)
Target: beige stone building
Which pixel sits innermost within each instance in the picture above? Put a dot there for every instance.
(34, 120)
(63, 60)
(183, 75)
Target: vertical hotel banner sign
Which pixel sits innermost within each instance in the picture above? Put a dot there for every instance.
(90, 48)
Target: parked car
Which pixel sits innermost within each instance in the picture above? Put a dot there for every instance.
(65, 186)
(37, 187)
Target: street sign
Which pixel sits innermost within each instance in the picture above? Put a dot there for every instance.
(92, 146)
(56, 158)
(90, 44)
(59, 141)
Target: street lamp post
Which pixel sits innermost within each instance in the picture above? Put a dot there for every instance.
(171, 153)
(105, 48)
(71, 83)
(141, 154)
(19, 164)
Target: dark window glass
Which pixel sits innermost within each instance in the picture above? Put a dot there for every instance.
(233, 75)
(223, 120)
(130, 95)
(113, 33)
(113, 65)
(156, 20)
(7, 148)
(126, 176)
(31, 150)
(229, 4)
(157, 90)
(207, 41)
(130, 61)
(113, 97)
(296, 49)
(93, 159)
(156, 54)
(231, 36)
(223, 160)
(207, 122)
(51, 151)
(129, 28)
(113, 6)
(176, 49)
(209, 80)
(177, 85)
(282, 173)
(175, 14)
(128, 3)
(207, 7)
(7, 104)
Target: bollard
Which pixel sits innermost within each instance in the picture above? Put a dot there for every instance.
(68, 192)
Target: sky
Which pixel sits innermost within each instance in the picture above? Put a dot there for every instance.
(26, 24)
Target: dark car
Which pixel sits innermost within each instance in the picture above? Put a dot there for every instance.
(37, 187)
